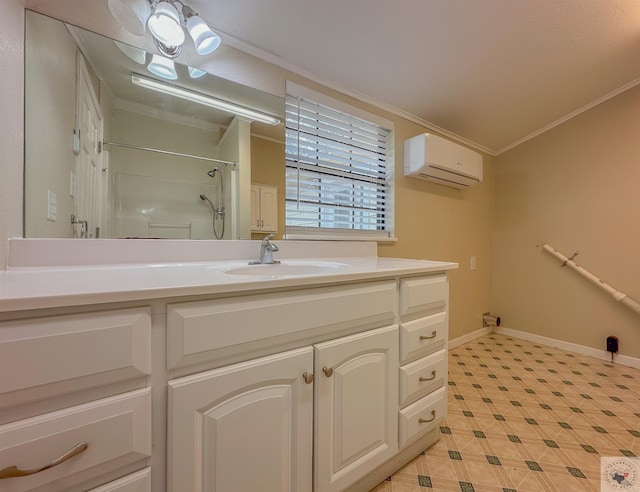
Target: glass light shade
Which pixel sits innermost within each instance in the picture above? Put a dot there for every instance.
(195, 73)
(205, 40)
(162, 67)
(132, 14)
(165, 26)
(136, 54)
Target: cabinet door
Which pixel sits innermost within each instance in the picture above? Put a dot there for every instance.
(269, 208)
(243, 427)
(356, 406)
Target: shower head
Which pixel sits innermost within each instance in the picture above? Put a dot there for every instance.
(204, 198)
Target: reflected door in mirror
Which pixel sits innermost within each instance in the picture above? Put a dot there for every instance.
(88, 193)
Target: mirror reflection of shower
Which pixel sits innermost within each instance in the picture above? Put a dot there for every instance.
(218, 212)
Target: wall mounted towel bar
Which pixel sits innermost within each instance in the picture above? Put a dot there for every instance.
(617, 295)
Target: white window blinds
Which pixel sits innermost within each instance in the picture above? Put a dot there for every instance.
(338, 169)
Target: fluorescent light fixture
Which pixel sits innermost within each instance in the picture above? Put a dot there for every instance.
(204, 99)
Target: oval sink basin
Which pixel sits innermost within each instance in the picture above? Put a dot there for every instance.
(288, 268)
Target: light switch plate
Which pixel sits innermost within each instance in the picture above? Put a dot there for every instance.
(52, 206)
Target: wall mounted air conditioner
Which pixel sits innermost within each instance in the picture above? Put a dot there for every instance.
(437, 159)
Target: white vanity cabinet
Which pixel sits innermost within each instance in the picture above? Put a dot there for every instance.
(319, 383)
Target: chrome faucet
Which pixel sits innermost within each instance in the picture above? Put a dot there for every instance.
(266, 252)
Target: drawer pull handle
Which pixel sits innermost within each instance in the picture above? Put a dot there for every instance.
(433, 335)
(433, 376)
(14, 471)
(433, 417)
(308, 378)
(327, 371)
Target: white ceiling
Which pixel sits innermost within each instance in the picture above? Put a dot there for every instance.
(492, 72)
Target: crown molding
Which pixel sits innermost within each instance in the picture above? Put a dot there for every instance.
(573, 114)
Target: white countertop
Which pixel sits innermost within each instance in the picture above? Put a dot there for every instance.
(72, 283)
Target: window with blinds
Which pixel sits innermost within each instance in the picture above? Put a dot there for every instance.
(339, 169)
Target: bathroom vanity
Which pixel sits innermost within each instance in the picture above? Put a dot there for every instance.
(145, 371)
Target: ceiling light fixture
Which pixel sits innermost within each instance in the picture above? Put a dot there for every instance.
(204, 99)
(167, 21)
(205, 40)
(196, 73)
(165, 26)
(162, 67)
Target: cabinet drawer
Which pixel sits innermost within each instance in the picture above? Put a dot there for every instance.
(204, 330)
(431, 410)
(45, 357)
(136, 482)
(117, 432)
(422, 377)
(422, 336)
(423, 294)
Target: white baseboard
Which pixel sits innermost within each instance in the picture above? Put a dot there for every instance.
(624, 360)
(456, 342)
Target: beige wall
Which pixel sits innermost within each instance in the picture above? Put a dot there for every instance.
(11, 123)
(576, 187)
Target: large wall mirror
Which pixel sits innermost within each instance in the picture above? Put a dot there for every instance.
(112, 149)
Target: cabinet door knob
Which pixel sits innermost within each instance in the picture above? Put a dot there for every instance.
(308, 377)
(14, 471)
(327, 371)
(433, 376)
(433, 417)
(433, 335)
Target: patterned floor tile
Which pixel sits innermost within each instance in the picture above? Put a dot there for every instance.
(527, 417)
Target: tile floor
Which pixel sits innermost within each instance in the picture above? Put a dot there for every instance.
(527, 417)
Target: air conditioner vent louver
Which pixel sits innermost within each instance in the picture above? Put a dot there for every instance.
(436, 159)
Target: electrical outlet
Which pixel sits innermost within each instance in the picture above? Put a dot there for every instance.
(473, 263)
